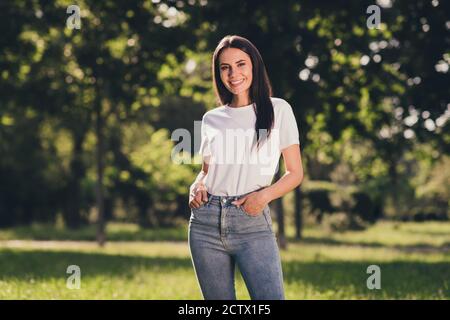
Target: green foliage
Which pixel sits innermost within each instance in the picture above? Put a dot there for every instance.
(342, 221)
(152, 153)
(144, 70)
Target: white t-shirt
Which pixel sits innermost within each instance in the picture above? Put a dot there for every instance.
(227, 135)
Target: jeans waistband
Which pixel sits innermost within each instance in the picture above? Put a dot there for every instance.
(228, 199)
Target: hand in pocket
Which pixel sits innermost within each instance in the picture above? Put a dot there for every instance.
(197, 195)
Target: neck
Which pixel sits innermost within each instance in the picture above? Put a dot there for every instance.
(240, 101)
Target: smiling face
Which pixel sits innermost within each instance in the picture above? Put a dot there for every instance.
(236, 71)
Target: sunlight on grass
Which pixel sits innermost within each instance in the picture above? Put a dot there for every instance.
(414, 259)
(115, 232)
(386, 233)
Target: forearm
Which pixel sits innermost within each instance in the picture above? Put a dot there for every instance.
(288, 182)
(200, 177)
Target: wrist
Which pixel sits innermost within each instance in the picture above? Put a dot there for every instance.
(266, 195)
(198, 182)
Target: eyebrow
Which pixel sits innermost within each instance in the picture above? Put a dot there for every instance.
(242, 60)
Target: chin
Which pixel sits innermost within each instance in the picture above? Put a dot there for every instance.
(234, 91)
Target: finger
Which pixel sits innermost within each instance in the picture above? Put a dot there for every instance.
(192, 206)
(236, 202)
(205, 195)
(198, 197)
(240, 201)
(195, 204)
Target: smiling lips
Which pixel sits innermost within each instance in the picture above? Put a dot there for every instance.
(236, 83)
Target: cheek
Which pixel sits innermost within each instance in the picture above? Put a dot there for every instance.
(249, 76)
(248, 73)
(224, 77)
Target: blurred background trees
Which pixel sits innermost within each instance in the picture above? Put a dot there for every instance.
(86, 116)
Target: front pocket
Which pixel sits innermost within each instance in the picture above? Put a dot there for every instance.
(202, 205)
(241, 208)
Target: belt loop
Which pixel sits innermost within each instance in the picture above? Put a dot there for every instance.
(209, 198)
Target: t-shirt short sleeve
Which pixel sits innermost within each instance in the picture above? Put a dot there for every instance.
(204, 145)
(288, 127)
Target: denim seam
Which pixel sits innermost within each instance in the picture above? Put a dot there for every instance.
(209, 200)
(267, 219)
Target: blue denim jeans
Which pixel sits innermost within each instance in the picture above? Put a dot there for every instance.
(222, 235)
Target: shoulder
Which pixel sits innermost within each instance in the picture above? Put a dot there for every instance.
(280, 105)
(213, 113)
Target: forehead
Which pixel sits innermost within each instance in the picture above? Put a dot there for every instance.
(232, 55)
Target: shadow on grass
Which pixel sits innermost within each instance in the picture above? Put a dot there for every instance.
(88, 233)
(47, 264)
(399, 279)
(45, 232)
(426, 233)
(417, 247)
(124, 233)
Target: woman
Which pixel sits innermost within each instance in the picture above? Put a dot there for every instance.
(230, 219)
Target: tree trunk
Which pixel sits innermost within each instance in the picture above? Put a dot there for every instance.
(280, 217)
(144, 205)
(298, 213)
(101, 238)
(393, 175)
(72, 214)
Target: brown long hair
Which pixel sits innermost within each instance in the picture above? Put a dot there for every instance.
(260, 89)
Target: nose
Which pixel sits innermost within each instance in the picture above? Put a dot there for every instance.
(230, 71)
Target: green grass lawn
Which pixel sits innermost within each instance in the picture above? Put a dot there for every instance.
(414, 259)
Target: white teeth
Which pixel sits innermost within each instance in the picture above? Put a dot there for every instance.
(237, 82)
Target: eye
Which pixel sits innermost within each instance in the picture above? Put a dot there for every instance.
(241, 64)
(223, 67)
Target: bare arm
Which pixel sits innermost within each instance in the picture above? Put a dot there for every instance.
(197, 191)
(291, 179)
(201, 176)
